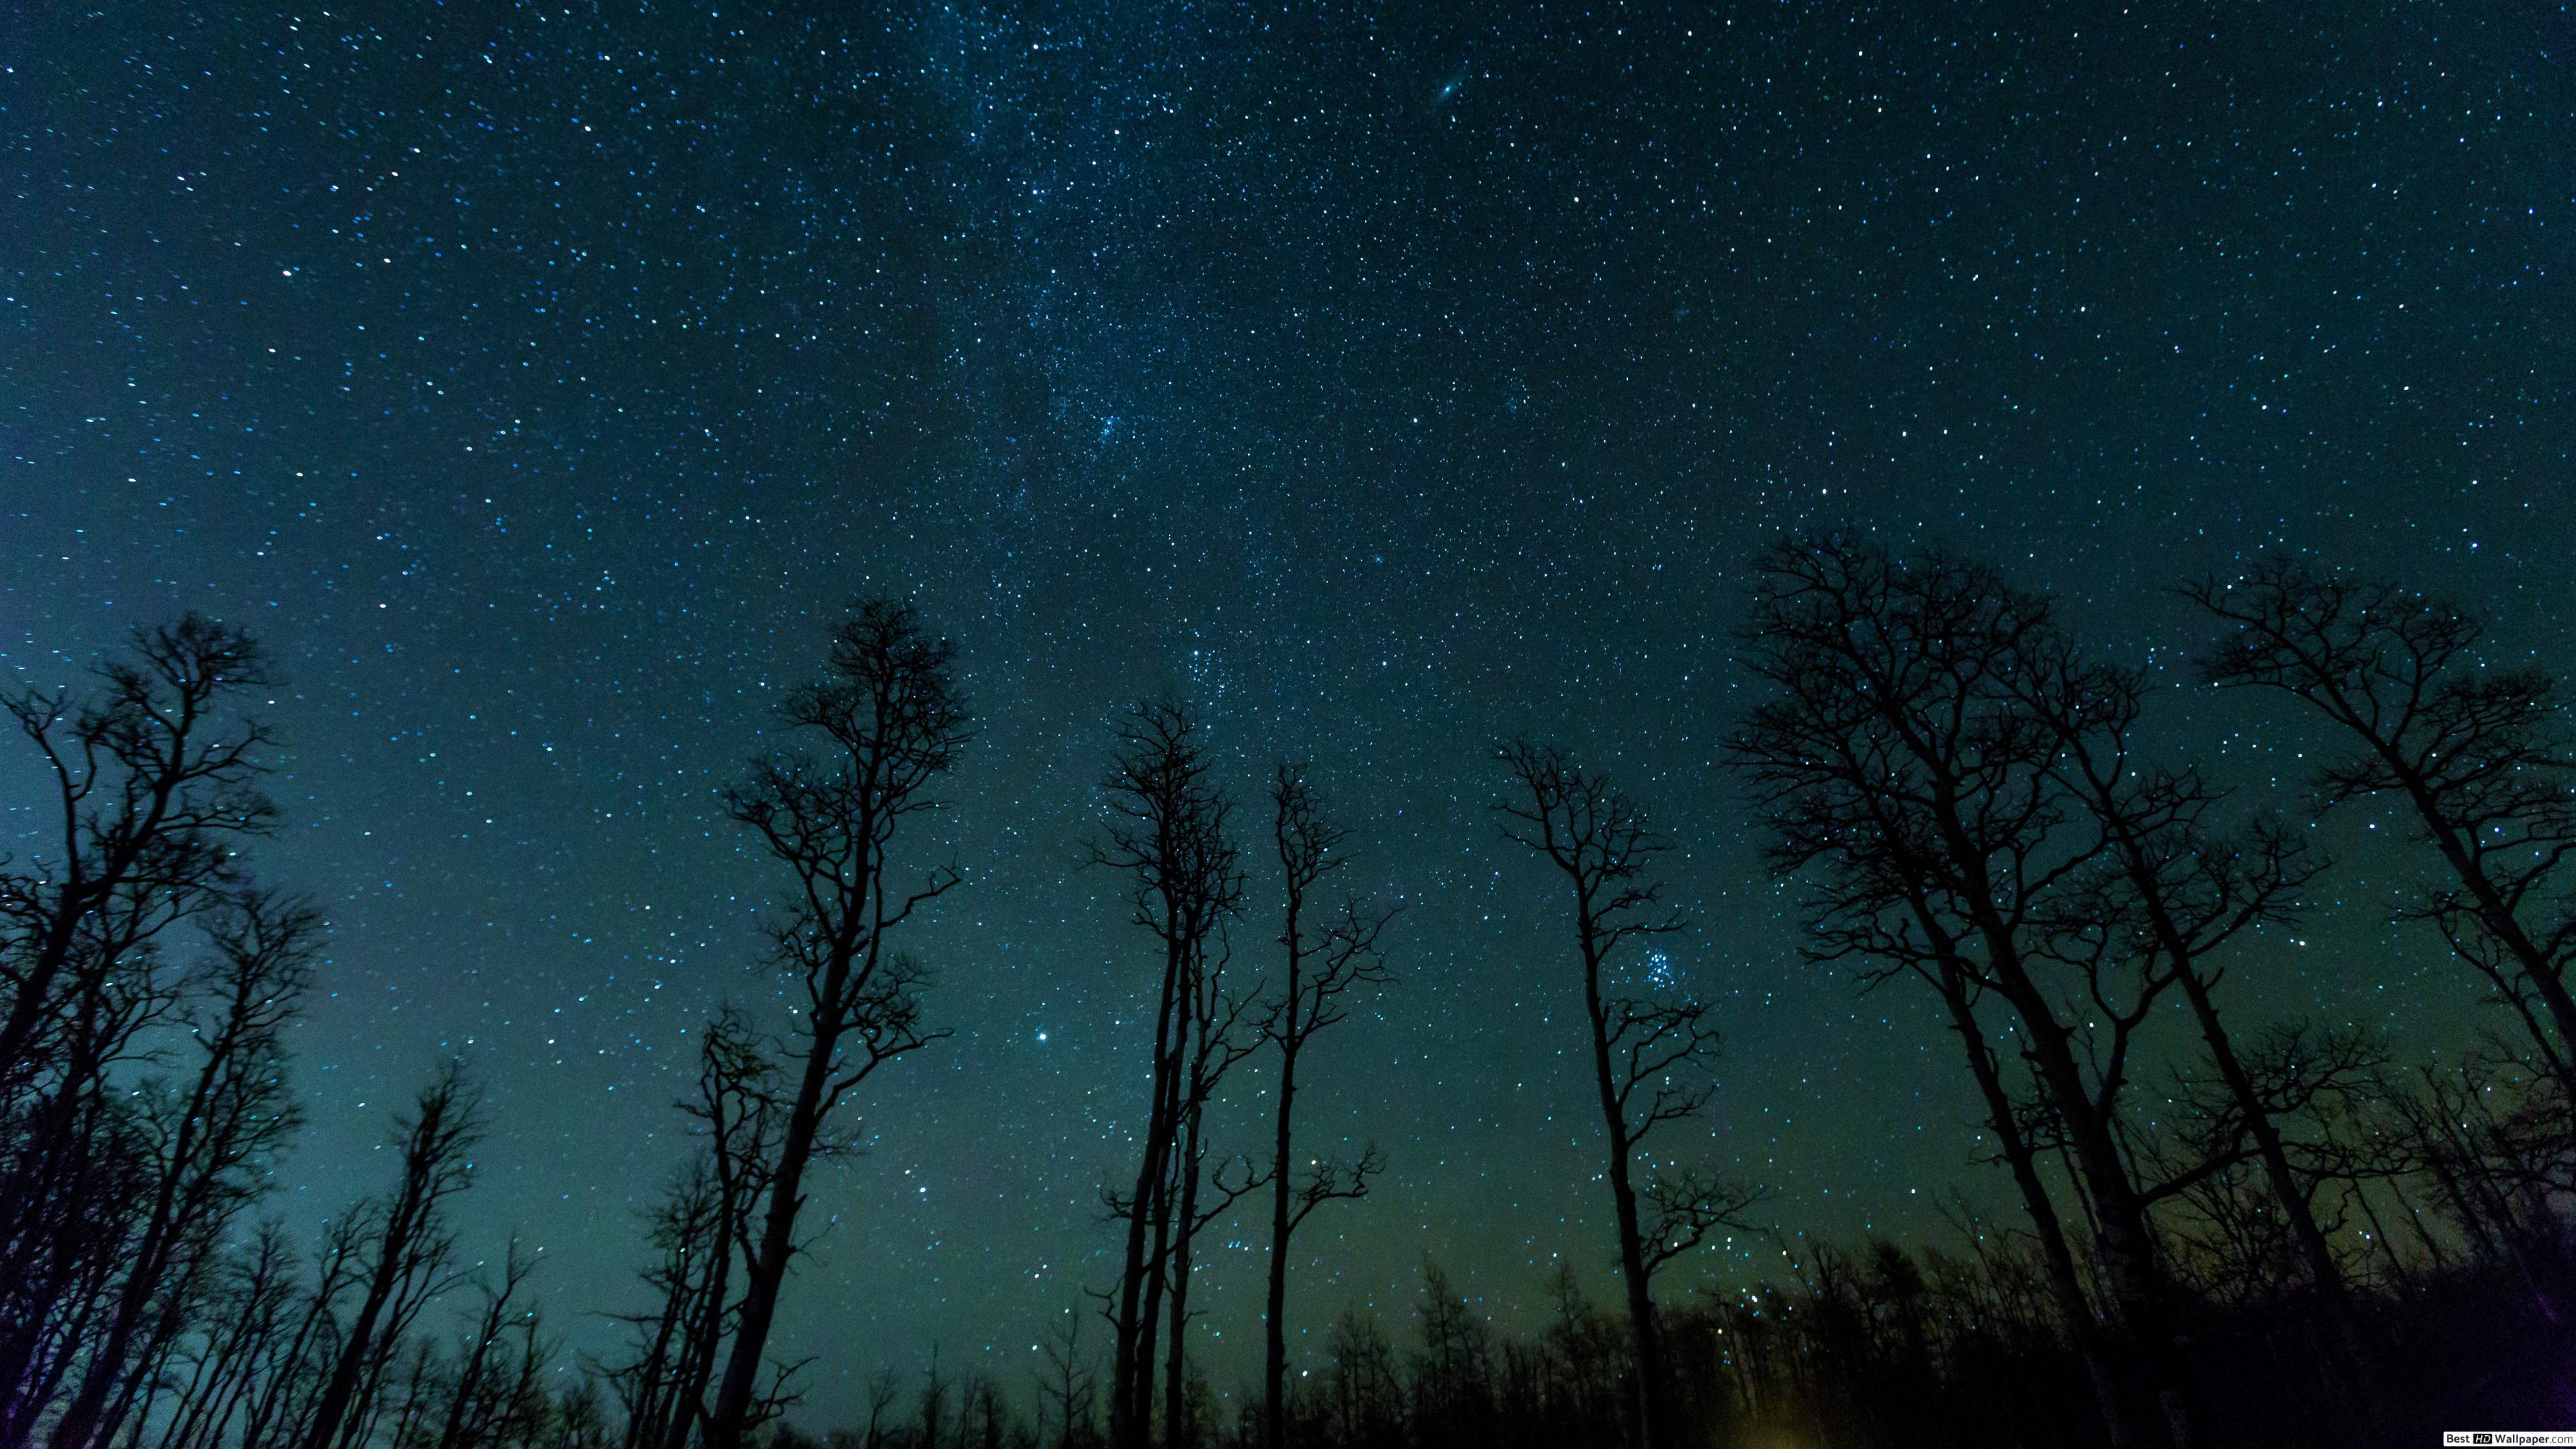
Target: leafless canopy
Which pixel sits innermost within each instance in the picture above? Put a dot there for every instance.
(2483, 758)
(1167, 834)
(873, 735)
(1650, 1049)
(1319, 967)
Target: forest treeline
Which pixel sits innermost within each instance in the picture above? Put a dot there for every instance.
(2229, 1228)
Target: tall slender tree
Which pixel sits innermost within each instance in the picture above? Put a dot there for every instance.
(406, 1255)
(210, 1142)
(885, 722)
(149, 789)
(1167, 833)
(479, 1400)
(2176, 891)
(154, 783)
(245, 1316)
(1221, 1036)
(1649, 1047)
(1903, 757)
(697, 1230)
(1321, 963)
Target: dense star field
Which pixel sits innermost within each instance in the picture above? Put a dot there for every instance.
(539, 383)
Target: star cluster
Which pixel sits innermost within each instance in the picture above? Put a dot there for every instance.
(538, 381)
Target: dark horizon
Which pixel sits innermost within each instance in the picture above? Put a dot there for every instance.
(540, 388)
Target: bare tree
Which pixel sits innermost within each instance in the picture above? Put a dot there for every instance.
(1221, 1036)
(1320, 965)
(2169, 887)
(1453, 1372)
(2242, 1244)
(1902, 760)
(245, 1314)
(210, 1142)
(1067, 1386)
(1167, 832)
(690, 1264)
(699, 1229)
(75, 1168)
(581, 1418)
(152, 786)
(1649, 1052)
(888, 723)
(279, 1392)
(2482, 757)
(479, 1401)
(883, 1390)
(406, 1258)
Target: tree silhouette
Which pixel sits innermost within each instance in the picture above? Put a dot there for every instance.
(1912, 755)
(1221, 1035)
(1649, 1053)
(1167, 833)
(480, 1401)
(209, 1143)
(153, 784)
(2171, 892)
(887, 723)
(405, 1259)
(2285, 1230)
(2483, 758)
(1067, 1388)
(150, 787)
(1319, 966)
(698, 1230)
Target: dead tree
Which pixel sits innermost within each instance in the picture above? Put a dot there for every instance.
(1167, 833)
(245, 1315)
(406, 1258)
(75, 1170)
(1901, 761)
(1319, 966)
(1221, 1036)
(419, 1381)
(149, 788)
(581, 1418)
(2291, 1075)
(1066, 1386)
(2483, 758)
(2170, 887)
(887, 723)
(699, 1230)
(209, 1143)
(479, 1401)
(1649, 1052)
(276, 1401)
(153, 785)
(651, 1384)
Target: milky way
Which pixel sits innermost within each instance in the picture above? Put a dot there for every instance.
(538, 383)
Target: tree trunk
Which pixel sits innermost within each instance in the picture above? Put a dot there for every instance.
(2126, 1241)
(351, 1363)
(2117, 1417)
(2121, 1231)
(2496, 915)
(767, 1269)
(1176, 1402)
(1648, 1335)
(1274, 1380)
(1131, 1373)
(2322, 1271)
(146, 1266)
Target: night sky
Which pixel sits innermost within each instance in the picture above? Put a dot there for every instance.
(539, 383)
